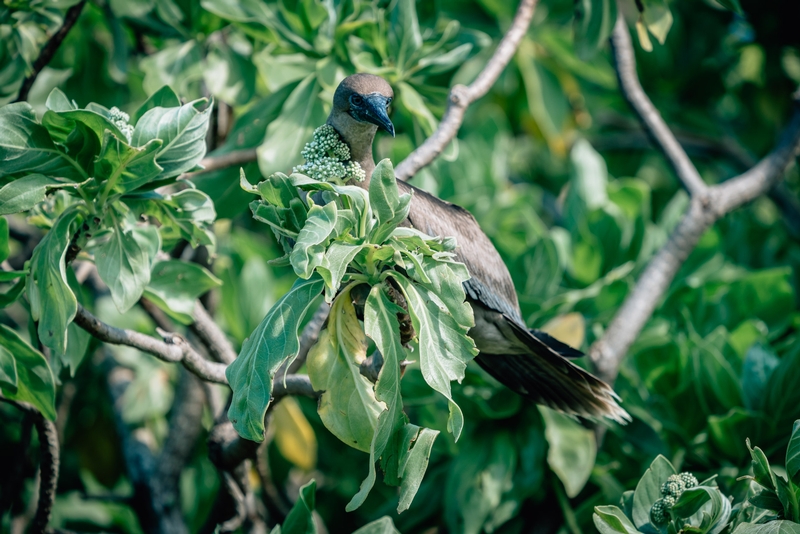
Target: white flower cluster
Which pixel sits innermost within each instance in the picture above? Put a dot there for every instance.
(328, 158)
(120, 120)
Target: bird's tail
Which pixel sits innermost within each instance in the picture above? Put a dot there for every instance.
(545, 376)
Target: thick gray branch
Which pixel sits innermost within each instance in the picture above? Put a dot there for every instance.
(212, 336)
(462, 96)
(708, 204)
(654, 125)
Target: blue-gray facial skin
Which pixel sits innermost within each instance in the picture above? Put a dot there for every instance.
(372, 108)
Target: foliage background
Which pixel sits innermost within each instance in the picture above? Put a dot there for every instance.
(559, 175)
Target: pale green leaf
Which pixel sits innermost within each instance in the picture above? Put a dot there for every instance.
(611, 520)
(125, 167)
(571, 452)
(35, 383)
(384, 525)
(658, 18)
(594, 20)
(273, 342)
(175, 286)
(309, 248)
(163, 98)
(793, 455)
(415, 466)
(334, 264)
(24, 193)
(300, 519)
(387, 205)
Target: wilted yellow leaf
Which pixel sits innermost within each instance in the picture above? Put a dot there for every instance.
(293, 434)
(569, 328)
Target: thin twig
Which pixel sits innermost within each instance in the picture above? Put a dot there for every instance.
(49, 50)
(211, 335)
(462, 96)
(654, 125)
(707, 205)
(222, 161)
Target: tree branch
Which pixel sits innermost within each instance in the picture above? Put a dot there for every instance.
(462, 96)
(49, 50)
(223, 161)
(707, 205)
(211, 335)
(49, 453)
(654, 125)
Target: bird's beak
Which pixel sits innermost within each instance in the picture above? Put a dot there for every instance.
(376, 112)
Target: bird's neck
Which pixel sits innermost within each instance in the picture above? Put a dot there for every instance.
(359, 137)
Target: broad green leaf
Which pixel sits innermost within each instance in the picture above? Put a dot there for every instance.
(788, 498)
(380, 325)
(8, 371)
(348, 407)
(301, 517)
(772, 527)
(286, 135)
(415, 104)
(594, 20)
(52, 301)
(404, 36)
(334, 264)
(446, 280)
(761, 470)
(384, 525)
(175, 286)
(692, 500)
(589, 175)
(58, 101)
(758, 366)
(444, 348)
(179, 66)
(414, 467)
(35, 383)
(123, 263)
(309, 248)
(278, 190)
(11, 296)
(25, 146)
(182, 131)
(648, 491)
(611, 520)
(571, 452)
(124, 167)
(658, 18)
(793, 455)
(163, 98)
(24, 193)
(273, 342)
(60, 124)
(387, 205)
(229, 76)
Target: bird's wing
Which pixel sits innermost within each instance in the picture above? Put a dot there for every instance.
(491, 282)
(546, 377)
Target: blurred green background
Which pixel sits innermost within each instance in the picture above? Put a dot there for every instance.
(555, 168)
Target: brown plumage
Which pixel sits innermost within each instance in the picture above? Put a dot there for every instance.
(529, 362)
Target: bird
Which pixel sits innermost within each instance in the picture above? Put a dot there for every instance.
(529, 362)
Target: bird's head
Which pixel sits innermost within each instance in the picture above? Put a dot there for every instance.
(365, 98)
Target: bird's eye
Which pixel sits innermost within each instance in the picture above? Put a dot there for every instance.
(356, 100)
(388, 101)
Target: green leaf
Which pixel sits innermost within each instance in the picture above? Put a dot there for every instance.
(273, 342)
(594, 20)
(772, 527)
(611, 520)
(11, 296)
(691, 500)
(175, 286)
(390, 208)
(732, 5)
(788, 497)
(404, 36)
(348, 407)
(126, 168)
(35, 383)
(414, 467)
(182, 131)
(761, 470)
(8, 371)
(123, 262)
(229, 76)
(24, 193)
(301, 517)
(658, 18)
(52, 302)
(572, 450)
(334, 264)
(380, 325)
(793, 455)
(309, 248)
(163, 98)
(60, 124)
(446, 280)
(286, 135)
(758, 366)
(25, 146)
(648, 491)
(444, 348)
(58, 101)
(384, 525)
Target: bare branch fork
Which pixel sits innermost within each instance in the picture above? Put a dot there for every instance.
(461, 96)
(708, 204)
